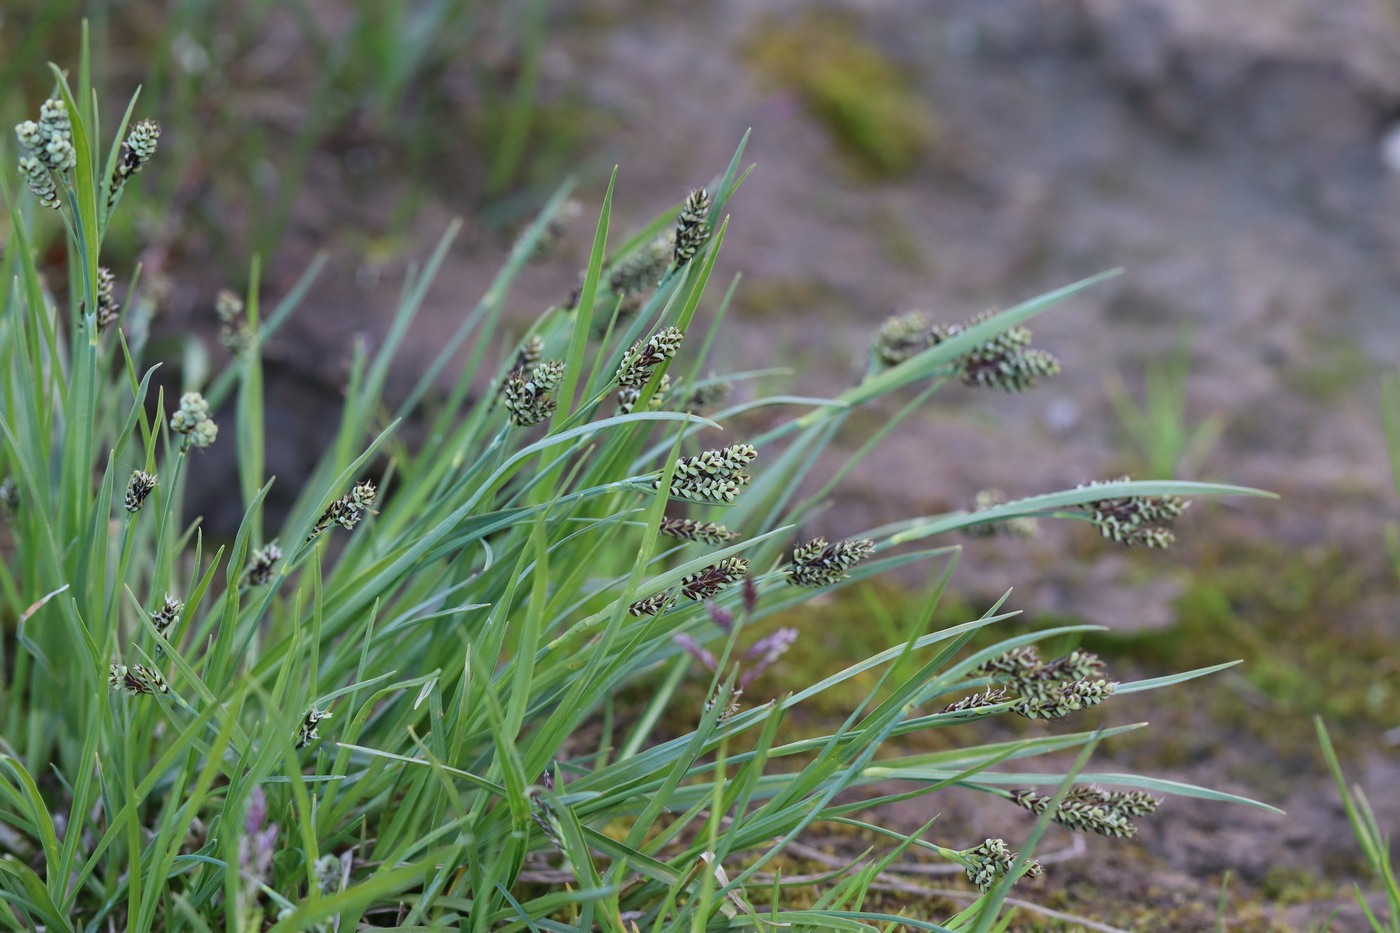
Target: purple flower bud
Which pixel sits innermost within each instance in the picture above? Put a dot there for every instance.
(694, 650)
(720, 616)
(257, 812)
(750, 596)
(767, 649)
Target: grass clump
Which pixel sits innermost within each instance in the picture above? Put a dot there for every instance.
(862, 98)
(395, 710)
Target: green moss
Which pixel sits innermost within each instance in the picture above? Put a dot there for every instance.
(862, 98)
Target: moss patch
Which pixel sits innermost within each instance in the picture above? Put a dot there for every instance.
(862, 98)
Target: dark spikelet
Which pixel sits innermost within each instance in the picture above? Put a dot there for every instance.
(1134, 520)
(141, 485)
(692, 226)
(705, 583)
(653, 605)
(690, 530)
(261, 566)
(527, 395)
(817, 563)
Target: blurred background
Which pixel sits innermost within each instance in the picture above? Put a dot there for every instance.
(1240, 161)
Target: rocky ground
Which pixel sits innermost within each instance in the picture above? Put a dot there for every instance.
(1231, 158)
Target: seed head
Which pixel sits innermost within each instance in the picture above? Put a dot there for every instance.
(714, 476)
(901, 337)
(705, 583)
(40, 181)
(627, 398)
(653, 605)
(1068, 698)
(817, 563)
(193, 421)
(529, 354)
(234, 330)
(347, 510)
(1092, 809)
(260, 567)
(988, 862)
(306, 732)
(642, 270)
(51, 139)
(107, 306)
(138, 488)
(644, 356)
(526, 395)
(329, 873)
(136, 680)
(1135, 520)
(167, 617)
(690, 530)
(1005, 362)
(692, 226)
(140, 145)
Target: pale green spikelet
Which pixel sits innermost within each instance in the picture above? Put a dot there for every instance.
(714, 476)
(234, 330)
(901, 337)
(193, 421)
(40, 181)
(990, 861)
(137, 150)
(643, 269)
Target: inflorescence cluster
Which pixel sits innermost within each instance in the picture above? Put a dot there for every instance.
(347, 510)
(261, 564)
(137, 150)
(817, 563)
(167, 617)
(992, 860)
(639, 365)
(1006, 362)
(1093, 809)
(690, 530)
(136, 680)
(234, 330)
(1135, 520)
(141, 485)
(1041, 689)
(527, 392)
(50, 145)
(193, 421)
(692, 226)
(715, 476)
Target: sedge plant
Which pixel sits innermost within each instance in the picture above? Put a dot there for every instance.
(394, 709)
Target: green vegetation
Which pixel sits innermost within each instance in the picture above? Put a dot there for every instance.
(396, 708)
